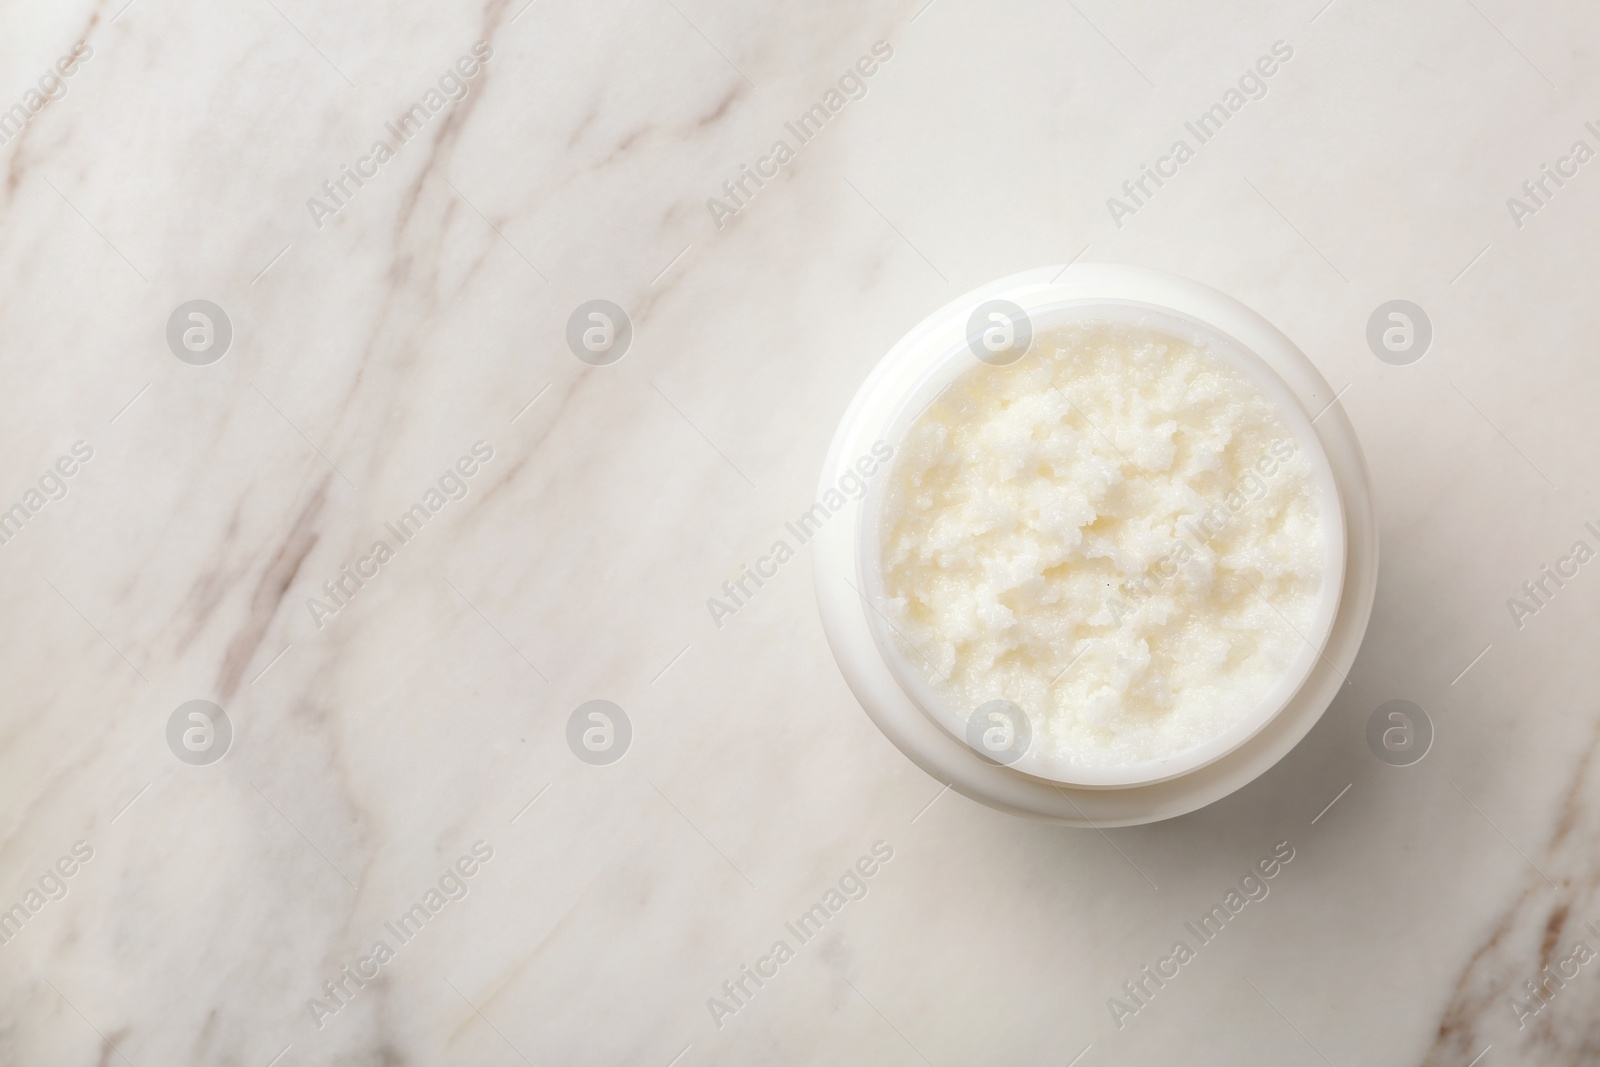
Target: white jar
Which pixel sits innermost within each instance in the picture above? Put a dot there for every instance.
(848, 582)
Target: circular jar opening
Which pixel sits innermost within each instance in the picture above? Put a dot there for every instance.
(1108, 547)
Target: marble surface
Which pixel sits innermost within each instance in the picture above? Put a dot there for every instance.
(209, 908)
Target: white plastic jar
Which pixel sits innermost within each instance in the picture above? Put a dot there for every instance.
(997, 324)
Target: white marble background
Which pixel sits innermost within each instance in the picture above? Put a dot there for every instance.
(369, 354)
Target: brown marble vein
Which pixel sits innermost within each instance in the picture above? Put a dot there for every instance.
(1522, 990)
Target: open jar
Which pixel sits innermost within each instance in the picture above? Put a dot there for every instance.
(1120, 552)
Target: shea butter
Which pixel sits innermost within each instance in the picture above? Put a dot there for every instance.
(1118, 533)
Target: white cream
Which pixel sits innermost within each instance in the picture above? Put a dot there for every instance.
(1118, 533)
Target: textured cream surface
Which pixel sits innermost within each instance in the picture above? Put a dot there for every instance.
(1118, 533)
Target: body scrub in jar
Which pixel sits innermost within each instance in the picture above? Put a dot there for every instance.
(1107, 562)
(1117, 534)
